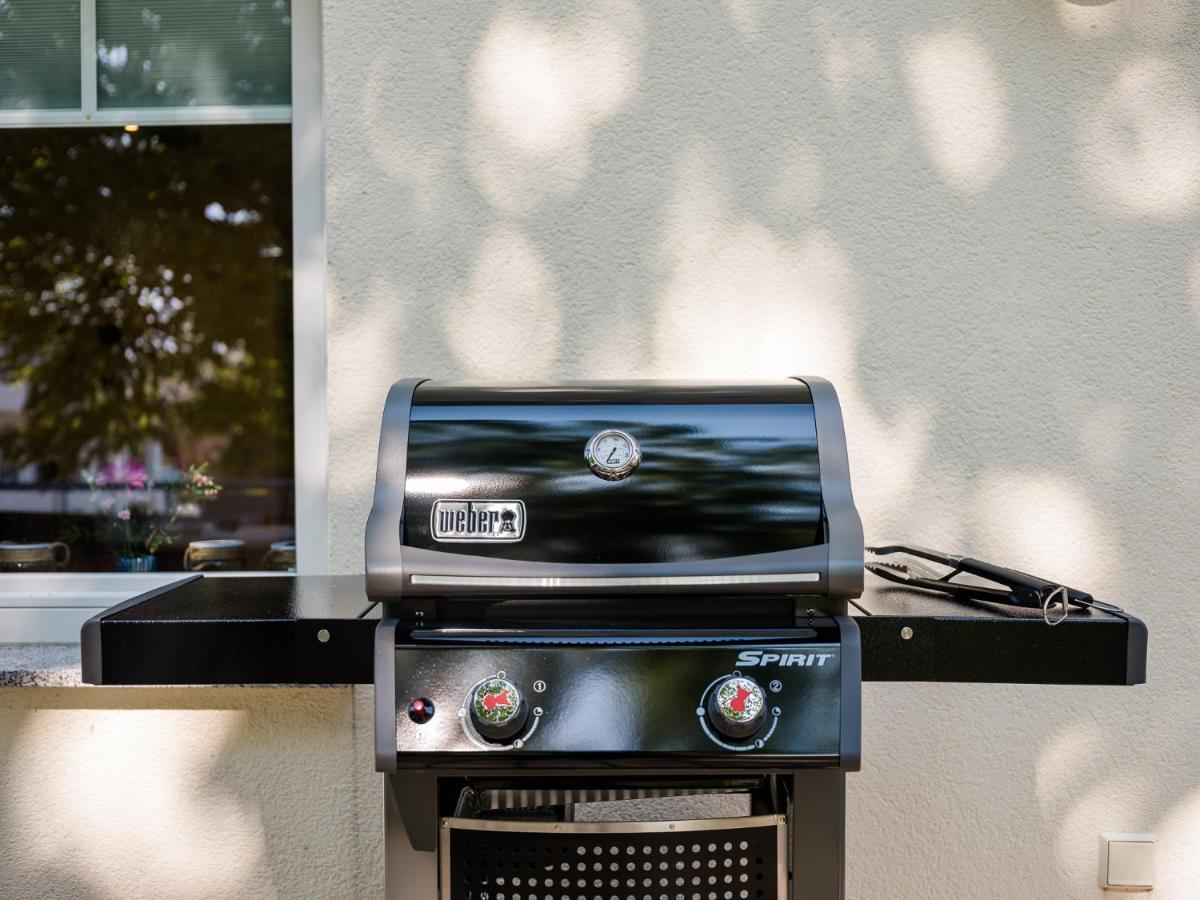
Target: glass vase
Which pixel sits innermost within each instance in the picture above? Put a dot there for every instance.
(144, 563)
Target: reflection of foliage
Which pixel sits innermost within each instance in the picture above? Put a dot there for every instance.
(719, 481)
(145, 293)
(178, 52)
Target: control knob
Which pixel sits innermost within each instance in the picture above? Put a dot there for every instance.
(737, 707)
(498, 711)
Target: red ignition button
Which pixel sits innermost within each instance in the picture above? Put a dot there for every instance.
(420, 710)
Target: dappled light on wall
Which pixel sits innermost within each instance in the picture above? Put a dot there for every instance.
(1075, 791)
(1194, 281)
(506, 323)
(539, 90)
(1179, 836)
(1045, 523)
(148, 802)
(1089, 20)
(737, 299)
(852, 62)
(1140, 146)
(746, 16)
(961, 108)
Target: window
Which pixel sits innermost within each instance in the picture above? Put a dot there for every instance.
(149, 311)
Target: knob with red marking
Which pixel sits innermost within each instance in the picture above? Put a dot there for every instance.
(498, 711)
(737, 707)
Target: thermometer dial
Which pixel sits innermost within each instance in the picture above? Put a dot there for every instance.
(612, 454)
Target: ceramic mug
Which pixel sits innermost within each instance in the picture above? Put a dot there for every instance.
(225, 554)
(36, 557)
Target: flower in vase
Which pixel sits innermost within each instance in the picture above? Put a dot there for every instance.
(128, 472)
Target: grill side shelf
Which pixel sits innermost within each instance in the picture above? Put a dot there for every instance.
(240, 630)
(910, 635)
(254, 630)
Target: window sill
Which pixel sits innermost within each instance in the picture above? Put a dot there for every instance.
(51, 607)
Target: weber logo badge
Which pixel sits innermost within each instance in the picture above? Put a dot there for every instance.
(479, 521)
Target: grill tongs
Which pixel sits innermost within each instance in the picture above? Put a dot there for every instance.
(1018, 588)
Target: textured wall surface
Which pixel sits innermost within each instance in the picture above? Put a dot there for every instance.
(119, 793)
(979, 219)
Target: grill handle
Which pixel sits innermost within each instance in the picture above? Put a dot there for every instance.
(420, 572)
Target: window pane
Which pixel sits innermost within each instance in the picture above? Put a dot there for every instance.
(145, 327)
(39, 54)
(183, 53)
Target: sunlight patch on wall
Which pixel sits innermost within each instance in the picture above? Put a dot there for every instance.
(507, 321)
(1078, 801)
(1140, 147)
(1048, 524)
(1089, 21)
(745, 15)
(961, 108)
(1059, 775)
(740, 301)
(148, 802)
(375, 336)
(1179, 842)
(799, 184)
(406, 138)
(1104, 438)
(538, 93)
(1100, 803)
(1152, 23)
(852, 61)
(1194, 281)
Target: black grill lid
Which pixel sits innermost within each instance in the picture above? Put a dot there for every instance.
(656, 487)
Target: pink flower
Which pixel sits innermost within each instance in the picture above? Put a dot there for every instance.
(124, 515)
(130, 472)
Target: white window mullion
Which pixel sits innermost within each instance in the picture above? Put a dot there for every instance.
(87, 57)
(308, 292)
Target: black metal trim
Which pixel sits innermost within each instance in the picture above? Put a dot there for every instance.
(385, 695)
(1137, 642)
(90, 646)
(385, 524)
(844, 566)
(851, 694)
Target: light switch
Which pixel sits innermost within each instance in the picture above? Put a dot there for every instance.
(1127, 861)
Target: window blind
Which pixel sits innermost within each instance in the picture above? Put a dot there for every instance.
(172, 53)
(39, 54)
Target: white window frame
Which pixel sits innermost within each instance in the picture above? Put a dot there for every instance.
(50, 607)
(89, 113)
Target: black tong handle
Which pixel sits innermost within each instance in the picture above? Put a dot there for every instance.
(1019, 588)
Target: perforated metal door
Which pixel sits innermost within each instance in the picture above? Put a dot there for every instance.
(708, 859)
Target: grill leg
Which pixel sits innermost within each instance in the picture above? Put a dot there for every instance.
(818, 817)
(408, 874)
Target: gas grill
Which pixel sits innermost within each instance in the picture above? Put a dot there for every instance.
(601, 600)
(608, 635)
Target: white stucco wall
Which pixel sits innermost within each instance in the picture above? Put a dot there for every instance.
(979, 219)
(122, 793)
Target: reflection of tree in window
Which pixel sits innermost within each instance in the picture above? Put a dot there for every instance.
(145, 295)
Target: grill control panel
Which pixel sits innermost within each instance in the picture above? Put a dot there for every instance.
(526, 699)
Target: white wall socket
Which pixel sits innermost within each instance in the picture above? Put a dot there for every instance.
(1127, 861)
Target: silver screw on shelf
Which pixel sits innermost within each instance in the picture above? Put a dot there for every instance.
(323, 635)
(906, 633)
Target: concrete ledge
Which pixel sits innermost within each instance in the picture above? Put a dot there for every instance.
(58, 665)
(40, 665)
